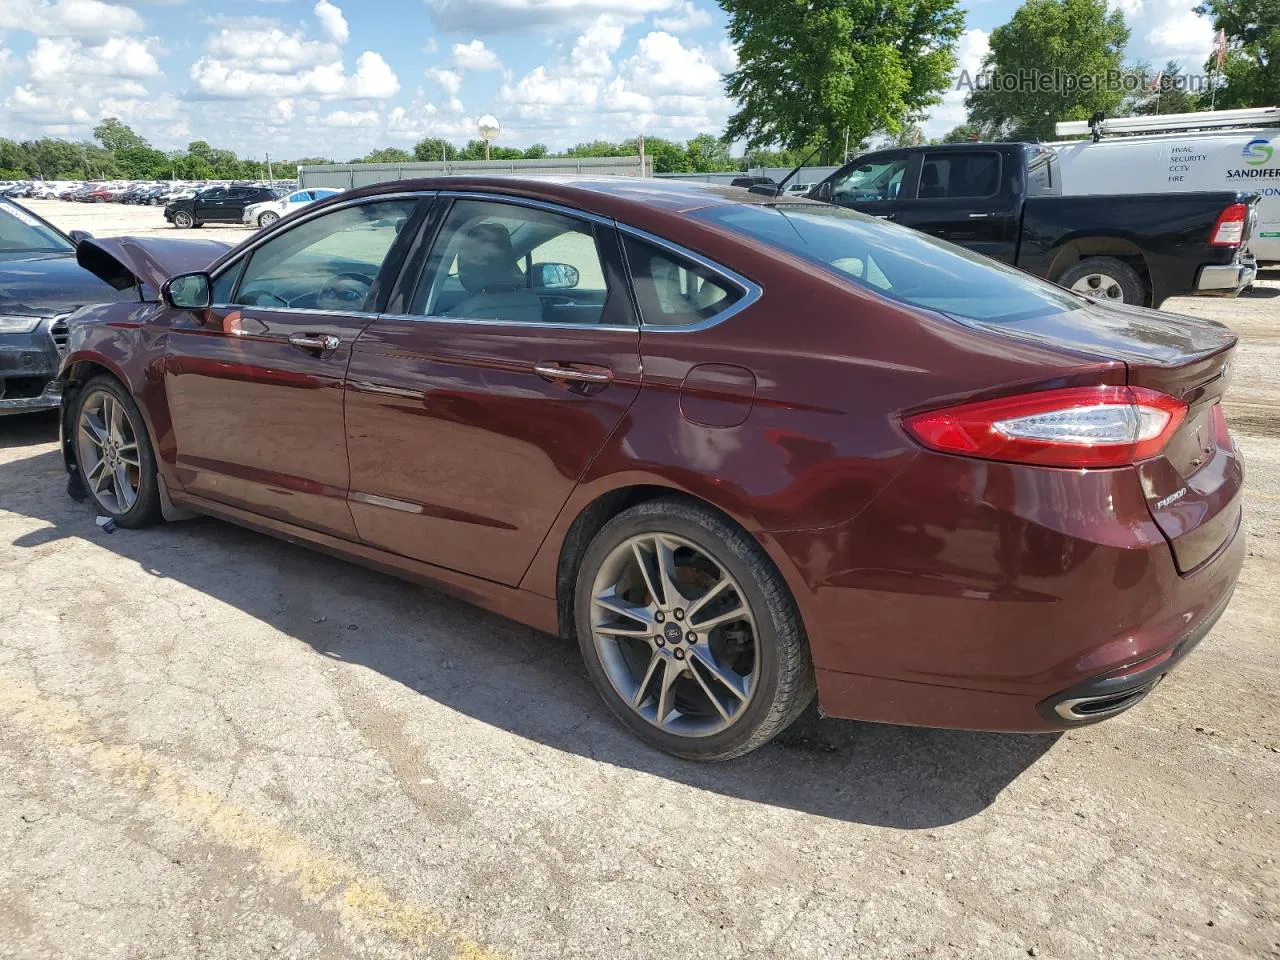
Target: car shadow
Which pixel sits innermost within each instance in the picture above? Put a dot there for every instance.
(528, 683)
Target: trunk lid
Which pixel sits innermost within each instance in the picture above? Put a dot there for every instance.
(1193, 487)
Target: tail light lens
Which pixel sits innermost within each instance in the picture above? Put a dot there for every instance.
(1075, 427)
(1229, 230)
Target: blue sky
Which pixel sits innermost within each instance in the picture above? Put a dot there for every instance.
(336, 77)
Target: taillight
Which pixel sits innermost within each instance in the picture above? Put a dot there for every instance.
(1074, 427)
(1229, 230)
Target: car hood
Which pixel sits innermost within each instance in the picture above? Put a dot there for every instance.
(124, 262)
(45, 285)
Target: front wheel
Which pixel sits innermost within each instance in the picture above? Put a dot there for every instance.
(114, 455)
(689, 632)
(267, 218)
(183, 220)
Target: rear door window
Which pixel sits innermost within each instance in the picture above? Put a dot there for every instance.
(955, 176)
(674, 291)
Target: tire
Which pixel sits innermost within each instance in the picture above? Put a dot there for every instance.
(130, 436)
(1105, 279)
(704, 548)
(183, 220)
(267, 217)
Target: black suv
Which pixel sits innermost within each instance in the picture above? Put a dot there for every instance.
(40, 286)
(215, 205)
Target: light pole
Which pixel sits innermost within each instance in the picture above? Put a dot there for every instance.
(489, 130)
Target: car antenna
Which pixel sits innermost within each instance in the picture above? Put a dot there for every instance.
(777, 191)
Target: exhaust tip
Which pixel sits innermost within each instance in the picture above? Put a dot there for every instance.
(1102, 705)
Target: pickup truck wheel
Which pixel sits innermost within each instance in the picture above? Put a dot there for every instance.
(1105, 278)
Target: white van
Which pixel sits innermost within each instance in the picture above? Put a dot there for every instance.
(1176, 153)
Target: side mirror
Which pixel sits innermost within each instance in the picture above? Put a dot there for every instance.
(187, 291)
(555, 276)
(824, 192)
(78, 235)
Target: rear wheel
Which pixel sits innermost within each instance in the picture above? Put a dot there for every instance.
(114, 455)
(1105, 278)
(183, 220)
(689, 633)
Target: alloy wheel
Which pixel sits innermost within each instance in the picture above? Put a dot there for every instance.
(107, 447)
(267, 218)
(1099, 285)
(675, 634)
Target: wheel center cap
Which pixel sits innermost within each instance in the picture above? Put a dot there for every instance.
(672, 633)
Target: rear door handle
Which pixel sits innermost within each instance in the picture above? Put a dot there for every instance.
(584, 374)
(315, 341)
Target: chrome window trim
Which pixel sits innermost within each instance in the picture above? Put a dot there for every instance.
(306, 217)
(751, 292)
(529, 202)
(548, 207)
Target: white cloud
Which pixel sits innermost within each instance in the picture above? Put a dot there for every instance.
(509, 16)
(374, 78)
(44, 109)
(266, 61)
(450, 81)
(973, 46)
(69, 18)
(593, 51)
(662, 64)
(332, 21)
(54, 60)
(270, 50)
(688, 17)
(350, 118)
(475, 56)
(1171, 31)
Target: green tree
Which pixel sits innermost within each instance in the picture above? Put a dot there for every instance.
(433, 148)
(117, 136)
(1252, 66)
(536, 152)
(1168, 91)
(962, 134)
(668, 156)
(709, 154)
(821, 73)
(387, 155)
(1079, 39)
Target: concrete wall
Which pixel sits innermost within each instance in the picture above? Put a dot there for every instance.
(345, 176)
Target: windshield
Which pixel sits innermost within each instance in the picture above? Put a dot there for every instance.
(21, 232)
(896, 262)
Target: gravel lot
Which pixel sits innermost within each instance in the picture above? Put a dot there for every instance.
(217, 745)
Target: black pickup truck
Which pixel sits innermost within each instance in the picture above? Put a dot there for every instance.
(1004, 200)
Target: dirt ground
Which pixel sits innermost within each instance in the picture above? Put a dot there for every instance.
(217, 745)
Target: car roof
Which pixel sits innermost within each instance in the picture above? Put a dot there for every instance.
(617, 197)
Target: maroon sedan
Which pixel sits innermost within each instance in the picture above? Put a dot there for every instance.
(743, 448)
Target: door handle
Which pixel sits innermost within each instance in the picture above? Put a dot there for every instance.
(978, 216)
(315, 341)
(553, 372)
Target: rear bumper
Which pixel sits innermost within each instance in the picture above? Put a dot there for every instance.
(1228, 278)
(982, 596)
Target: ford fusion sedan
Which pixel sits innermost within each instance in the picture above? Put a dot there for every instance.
(267, 212)
(743, 448)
